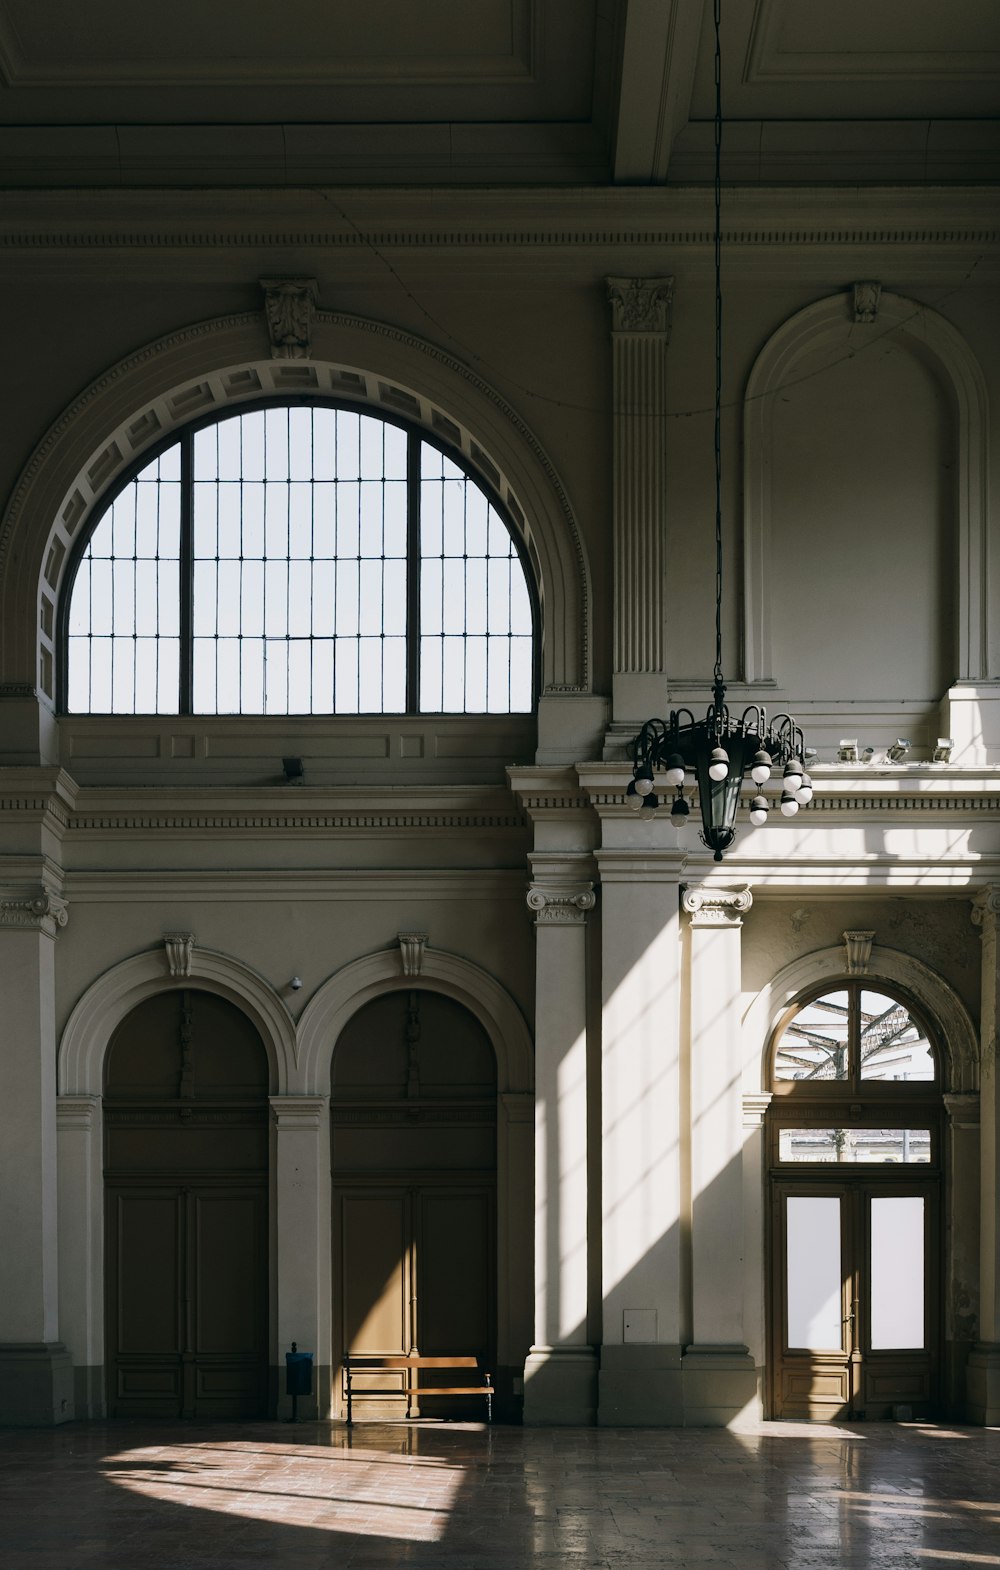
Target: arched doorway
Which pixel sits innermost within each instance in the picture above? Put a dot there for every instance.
(186, 1191)
(855, 1157)
(413, 1134)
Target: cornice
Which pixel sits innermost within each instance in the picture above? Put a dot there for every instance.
(503, 220)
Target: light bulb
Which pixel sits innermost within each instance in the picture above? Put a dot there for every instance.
(804, 794)
(792, 780)
(761, 770)
(789, 806)
(632, 797)
(758, 811)
(679, 813)
(649, 806)
(675, 770)
(644, 782)
(718, 766)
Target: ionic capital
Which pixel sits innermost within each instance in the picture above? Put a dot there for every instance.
(986, 907)
(33, 909)
(640, 305)
(561, 905)
(711, 907)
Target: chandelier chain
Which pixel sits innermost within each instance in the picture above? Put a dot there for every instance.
(718, 346)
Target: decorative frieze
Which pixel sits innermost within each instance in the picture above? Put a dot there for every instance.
(289, 304)
(180, 951)
(411, 951)
(33, 909)
(561, 905)
(712, 907)
(859, 952)
(866, 297)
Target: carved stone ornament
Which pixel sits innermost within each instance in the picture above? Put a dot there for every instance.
(561, 906)
(36, 910)
(180, 949)
(289, 304)
(986, 907)
(640, 305)
(710, 907)
(866, 297)
(859, 952)
(411, 951)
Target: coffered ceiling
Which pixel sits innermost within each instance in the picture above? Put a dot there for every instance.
(495, 91)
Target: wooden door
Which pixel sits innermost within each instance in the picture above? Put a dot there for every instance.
(414, 1265)
(855, 1293)
(187, 1301)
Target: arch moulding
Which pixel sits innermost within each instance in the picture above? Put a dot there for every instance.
(105, 1004)
(826, 323)
(217, 365)
(373, 975)
(943, 1007)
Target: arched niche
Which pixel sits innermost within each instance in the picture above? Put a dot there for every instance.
(105, 1004)
(220, 364)
(954, 1030)
(823, 328)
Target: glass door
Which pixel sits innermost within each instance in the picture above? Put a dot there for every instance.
(854, 1299)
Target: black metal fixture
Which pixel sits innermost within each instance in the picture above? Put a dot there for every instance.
(719, 750)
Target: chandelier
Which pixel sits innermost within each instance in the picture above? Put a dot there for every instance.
(720, 750)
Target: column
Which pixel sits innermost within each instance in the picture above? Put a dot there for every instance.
(639, 335)
(720, 1381)
(36, 1375)
(80, 1149)
(303, 1263)
(983, 1376)
(641, 1183)
(560, 1373)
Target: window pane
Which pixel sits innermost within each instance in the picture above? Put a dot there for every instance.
(814, 1045)
(300, 531)
(892, 1043)
(896, 1316)
(814, 1277)
(883, 1146)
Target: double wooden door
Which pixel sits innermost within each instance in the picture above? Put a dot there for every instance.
(414, 1276)
(855, 1298)
(187, 1299)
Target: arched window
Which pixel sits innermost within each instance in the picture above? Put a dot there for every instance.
(841, 1059)
(299, 559)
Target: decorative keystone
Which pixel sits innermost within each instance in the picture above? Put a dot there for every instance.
(411, 951)
(866, 298)
(859, 952)
(289, 304)
(180, 952)
(711, 907)
(561, 906)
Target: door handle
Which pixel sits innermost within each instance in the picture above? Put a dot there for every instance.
(847, 1318)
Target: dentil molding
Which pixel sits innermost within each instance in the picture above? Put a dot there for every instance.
(711, 907)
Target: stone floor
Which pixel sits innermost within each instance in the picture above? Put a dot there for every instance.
(459, 1497)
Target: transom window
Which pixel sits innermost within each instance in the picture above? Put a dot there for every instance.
(300, 559)
(850, 1037)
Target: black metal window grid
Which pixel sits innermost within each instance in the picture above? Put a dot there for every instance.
(300, 559)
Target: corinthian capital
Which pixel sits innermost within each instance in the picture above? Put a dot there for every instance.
(640, 305)
(561, 905)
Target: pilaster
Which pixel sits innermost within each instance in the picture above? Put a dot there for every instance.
(303, 1221)
(560, 1374)
(983, 1373)
(720, 1380)
(80, 1155)
(640, 319)
(961, 1309)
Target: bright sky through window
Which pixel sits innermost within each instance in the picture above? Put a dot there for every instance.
(300, 560)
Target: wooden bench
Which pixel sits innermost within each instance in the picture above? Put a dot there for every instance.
(364, 1363)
